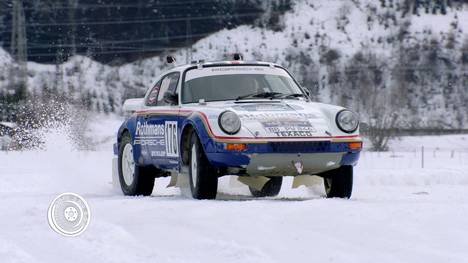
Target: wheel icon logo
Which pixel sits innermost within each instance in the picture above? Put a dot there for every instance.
(69, 214)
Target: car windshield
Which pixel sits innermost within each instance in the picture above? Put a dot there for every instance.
(237, 83)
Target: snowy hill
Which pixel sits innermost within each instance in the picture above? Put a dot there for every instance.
(375, 57)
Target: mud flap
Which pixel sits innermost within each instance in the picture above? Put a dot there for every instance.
(256, 182)
(115, 175)
(173, 182)
(183, 182)
(234, 182)
(305, 180)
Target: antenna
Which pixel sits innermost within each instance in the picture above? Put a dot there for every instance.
(170, 60)
(238, 56)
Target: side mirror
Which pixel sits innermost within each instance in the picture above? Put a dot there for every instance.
(132, 105)
(170, 98)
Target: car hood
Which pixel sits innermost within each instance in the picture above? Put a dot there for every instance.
(292, 118)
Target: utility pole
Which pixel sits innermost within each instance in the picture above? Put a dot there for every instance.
(18, 47)
(188, 39)
(72, 5)
(188, 34)
(58, 83)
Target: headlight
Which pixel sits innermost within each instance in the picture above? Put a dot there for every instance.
(229, 122)
(347, 121)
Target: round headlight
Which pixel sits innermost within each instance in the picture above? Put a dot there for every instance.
(347, 121)
(229, 122)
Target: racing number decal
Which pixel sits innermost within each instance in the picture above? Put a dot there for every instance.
(172, 146)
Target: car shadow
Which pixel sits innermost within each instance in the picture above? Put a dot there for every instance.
(235, 197)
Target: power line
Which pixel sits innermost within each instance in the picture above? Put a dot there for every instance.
(119, 22)
(109, 43)
(112, 52)
(118, 6)
(82, 24)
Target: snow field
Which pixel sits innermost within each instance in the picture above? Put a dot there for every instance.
(399, 212)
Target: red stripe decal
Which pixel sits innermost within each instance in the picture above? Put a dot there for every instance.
(239, 138)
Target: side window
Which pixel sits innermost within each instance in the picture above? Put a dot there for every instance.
(169, 83)
(153, 96)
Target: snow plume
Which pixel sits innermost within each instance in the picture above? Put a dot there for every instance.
(53, 125)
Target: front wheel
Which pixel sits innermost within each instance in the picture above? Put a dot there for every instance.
(339, 182)
(271, 188)
(203, 176)
(134, 179)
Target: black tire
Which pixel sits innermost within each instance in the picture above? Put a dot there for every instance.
(271, 188)
(339, 182)
(143, 179)
(206, 177)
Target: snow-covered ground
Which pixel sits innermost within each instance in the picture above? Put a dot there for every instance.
(399, 212)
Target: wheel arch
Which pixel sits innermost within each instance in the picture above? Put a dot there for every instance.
(129, 126)
(193, 123)
(185, 142)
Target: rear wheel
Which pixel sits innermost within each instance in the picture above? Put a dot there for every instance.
(339, 182)
(134, 179)
(271, 188)
(203, 176)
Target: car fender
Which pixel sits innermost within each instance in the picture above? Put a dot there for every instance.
(197, 122)
(130, 126)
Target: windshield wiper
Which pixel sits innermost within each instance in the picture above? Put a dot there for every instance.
(260, 95)
(293, 95)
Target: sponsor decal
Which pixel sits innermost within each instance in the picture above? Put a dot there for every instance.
(263, 107)
(283, 124)
(289, 128)
(294, 133)
(146, 129)
(272, 116)
(158, 153)
(162, 135)
(238, 69)
(172, 145)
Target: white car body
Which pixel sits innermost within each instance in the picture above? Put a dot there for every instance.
(277, 135)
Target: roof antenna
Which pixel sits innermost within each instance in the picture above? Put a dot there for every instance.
(170, 60)
(238, 56)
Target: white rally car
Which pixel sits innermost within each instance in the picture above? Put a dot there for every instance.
(205, 120)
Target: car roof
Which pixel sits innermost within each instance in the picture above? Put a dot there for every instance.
(222, 63)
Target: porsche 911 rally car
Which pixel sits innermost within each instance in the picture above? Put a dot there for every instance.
(206, 120)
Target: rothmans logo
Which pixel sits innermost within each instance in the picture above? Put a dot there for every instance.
(146, 129)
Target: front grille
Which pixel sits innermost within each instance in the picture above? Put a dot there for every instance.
(300, 147)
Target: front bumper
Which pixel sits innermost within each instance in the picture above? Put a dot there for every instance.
(284, 158)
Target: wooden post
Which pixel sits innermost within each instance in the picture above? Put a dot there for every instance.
(422, 156)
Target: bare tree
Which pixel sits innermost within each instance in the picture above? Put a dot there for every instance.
(381, 129)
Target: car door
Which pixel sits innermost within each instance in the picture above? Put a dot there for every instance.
(162, 122)
(144, 135)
